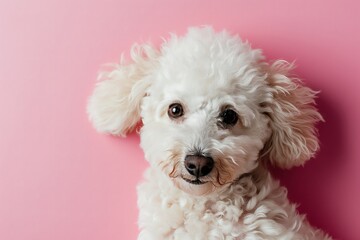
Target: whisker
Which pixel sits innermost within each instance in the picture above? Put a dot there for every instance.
(217, 149)
(233, 161)
(173, 171)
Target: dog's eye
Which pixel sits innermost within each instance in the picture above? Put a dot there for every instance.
(229, 117)
(175, 110)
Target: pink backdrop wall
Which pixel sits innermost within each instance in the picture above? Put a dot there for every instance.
(59, 179)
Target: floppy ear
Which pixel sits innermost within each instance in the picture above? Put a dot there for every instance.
(293, 118)
(114, 106)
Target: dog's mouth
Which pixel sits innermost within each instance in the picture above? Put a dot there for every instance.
(195, 182)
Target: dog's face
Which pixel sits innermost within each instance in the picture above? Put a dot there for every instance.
(202, 116)
(209, 106)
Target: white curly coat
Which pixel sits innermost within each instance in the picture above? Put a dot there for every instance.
(206, 72)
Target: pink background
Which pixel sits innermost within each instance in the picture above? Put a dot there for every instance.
(59, 179)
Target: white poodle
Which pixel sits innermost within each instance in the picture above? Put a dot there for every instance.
(214, 114)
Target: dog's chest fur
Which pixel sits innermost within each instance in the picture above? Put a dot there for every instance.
(242, 211)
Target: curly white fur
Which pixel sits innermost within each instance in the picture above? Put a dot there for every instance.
(206, 72)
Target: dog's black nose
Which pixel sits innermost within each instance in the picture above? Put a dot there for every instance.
(198, 165)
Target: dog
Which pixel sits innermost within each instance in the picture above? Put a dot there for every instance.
(214, 115)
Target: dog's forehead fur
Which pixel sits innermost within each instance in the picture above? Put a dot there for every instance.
(204, 66)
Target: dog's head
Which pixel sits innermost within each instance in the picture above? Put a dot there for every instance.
(211, 108)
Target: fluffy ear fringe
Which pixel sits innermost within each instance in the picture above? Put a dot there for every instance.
(293, 117)
(114, 106)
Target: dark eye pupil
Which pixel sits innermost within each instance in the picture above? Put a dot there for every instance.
(229, 117)
(175, 110)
